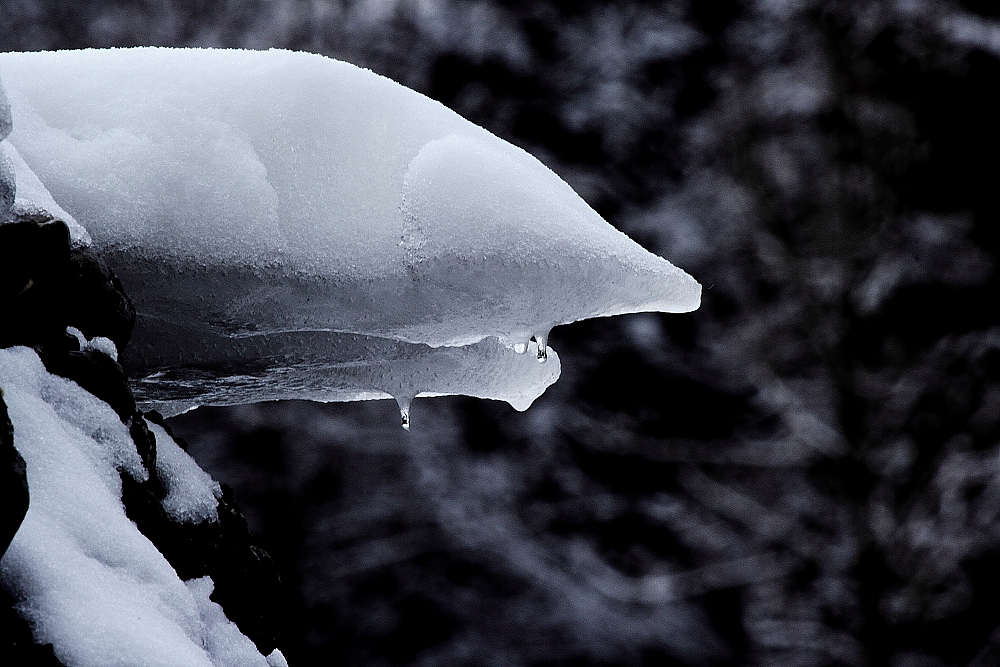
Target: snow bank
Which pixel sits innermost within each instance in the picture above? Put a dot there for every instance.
(248, 194)
(88, 581)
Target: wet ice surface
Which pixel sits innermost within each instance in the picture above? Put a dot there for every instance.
(327, 366)
(286, 198)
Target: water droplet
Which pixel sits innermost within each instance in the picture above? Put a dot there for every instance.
(404, 410)
(543, 352)
(520, 348)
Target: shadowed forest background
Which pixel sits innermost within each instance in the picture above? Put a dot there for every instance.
(806, 471)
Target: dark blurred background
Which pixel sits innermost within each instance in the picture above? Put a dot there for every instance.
(806, 471)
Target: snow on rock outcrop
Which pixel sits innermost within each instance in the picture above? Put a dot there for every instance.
(270, 211)
(90, 583)
(192, 494)
(34, 202)
(22, 195)
(13, 482)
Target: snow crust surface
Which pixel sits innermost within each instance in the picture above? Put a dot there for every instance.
(88, 581)
(267, 195)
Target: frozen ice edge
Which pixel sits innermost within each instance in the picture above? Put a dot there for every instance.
(273, 213)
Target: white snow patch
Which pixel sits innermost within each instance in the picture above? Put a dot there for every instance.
(105, 345)
(7, 176)
(276, 659)
(98, 343)
(192, 494)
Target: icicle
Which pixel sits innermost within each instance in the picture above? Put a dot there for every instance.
(543, 352)
(404, 410)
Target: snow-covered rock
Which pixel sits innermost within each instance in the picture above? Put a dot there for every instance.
(192, 494)
(34, 202)
(88, 580)
(253, 203)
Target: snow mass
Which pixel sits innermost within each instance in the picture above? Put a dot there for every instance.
(289, 225)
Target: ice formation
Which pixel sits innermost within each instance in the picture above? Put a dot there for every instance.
(286, 217)
(90, 583)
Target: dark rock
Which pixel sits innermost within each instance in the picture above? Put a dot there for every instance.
(247, 585)
(16, 643)
(97, 304)
(14, 488)
(34, 267)
(94, 371)
(45, 287)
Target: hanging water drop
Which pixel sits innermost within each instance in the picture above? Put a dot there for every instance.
(404, 410)
(542, 352)
(520, 348)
